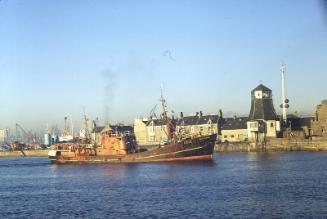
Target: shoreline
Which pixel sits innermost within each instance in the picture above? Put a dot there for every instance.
(25, 153)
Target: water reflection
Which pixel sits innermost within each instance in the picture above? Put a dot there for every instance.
(118, 170)
(257, 156)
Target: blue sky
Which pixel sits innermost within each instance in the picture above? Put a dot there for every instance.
(109, 56)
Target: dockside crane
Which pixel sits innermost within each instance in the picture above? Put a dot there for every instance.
(27, 134)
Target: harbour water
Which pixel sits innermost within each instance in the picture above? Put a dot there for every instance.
(240, 185)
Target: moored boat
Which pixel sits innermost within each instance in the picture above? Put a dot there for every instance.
(119, 148)
(197, 148)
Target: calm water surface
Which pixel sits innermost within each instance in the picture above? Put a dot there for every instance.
(260, 185)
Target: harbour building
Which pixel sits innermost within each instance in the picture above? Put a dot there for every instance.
(152, 131)
(3, 134)
(263, 121)
(234, 130)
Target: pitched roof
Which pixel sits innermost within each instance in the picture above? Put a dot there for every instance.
(261, 87)
(187, 120)
(235, 123)
(262, 109)
(306, 121)
(205, 119)
(159, 122)
(197, 120)
(297, 122)
(118, 128)
(98, 129)
(122, 128)
(156, 122)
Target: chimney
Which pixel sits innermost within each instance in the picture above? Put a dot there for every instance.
(181, 114)
(197, 114)
(201, 114)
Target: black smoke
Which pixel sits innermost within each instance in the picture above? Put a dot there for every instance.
(109, 81)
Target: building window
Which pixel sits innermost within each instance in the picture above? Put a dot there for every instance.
(266, 94)
(272, 125)
(232, 136)
(225, 136)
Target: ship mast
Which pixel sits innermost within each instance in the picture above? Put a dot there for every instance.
(85, 126)
(165, 116)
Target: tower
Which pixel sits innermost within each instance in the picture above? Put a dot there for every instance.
(262, 107)
(262, 121)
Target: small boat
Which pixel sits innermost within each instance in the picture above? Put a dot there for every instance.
(120, 148)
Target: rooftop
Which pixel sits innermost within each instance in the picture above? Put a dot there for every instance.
(261, 87)
(235, 123)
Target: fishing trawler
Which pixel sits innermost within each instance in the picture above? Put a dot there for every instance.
(117, 147)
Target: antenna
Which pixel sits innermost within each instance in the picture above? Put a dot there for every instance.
(285, 101)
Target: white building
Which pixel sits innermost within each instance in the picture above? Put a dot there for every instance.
(263, 121)
(3, 135)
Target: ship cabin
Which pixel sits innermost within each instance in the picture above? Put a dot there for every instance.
(113, 139)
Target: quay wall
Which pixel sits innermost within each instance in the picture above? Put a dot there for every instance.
(275, 145)
(25, 153)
